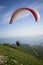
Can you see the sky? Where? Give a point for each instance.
(24, 24)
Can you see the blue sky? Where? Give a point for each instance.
(25, 24)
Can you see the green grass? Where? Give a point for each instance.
(39, 50)
(19, 55)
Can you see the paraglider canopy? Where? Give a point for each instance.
(18, 11)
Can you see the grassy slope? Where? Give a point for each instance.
(39, 50)
(27, 48)
(22, 57)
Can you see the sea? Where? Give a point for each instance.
(23, 40)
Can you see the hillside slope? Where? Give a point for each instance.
(14, 56)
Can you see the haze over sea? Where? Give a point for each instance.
(23, 40)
